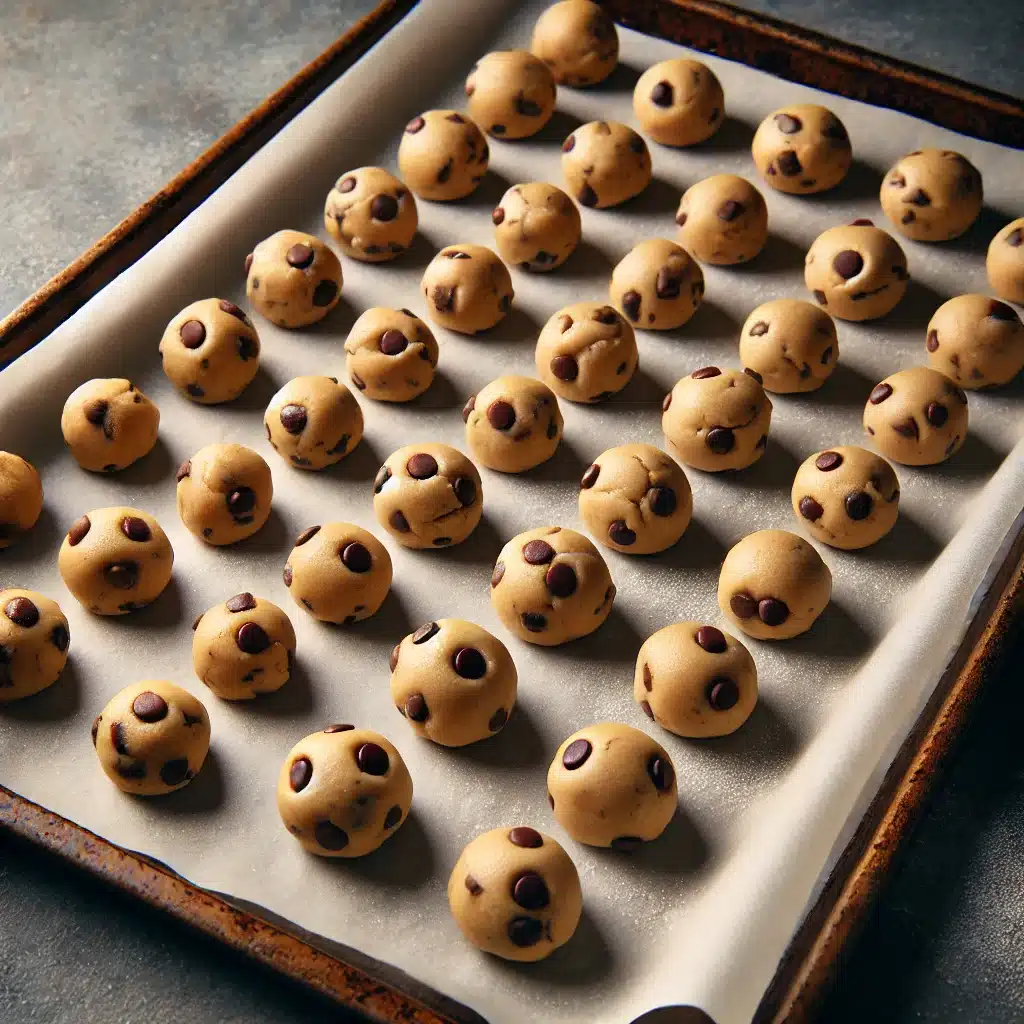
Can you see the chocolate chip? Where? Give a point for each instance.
(880, 393)
(788, 124)
(710, 639)
(771, 611)
(426, 632)
(552, 430)
(286, 575)
(324, 293)
(630, 303)
(730, 210)
(810, 509)
(826, 356)
(660, 772)
(501, 415)
(241, 501)
(373, 759)
(526, 837)
(743, 606)
(22, 612)
(590, 477)
(936, 414)
(525, 931)
(789, 163)
(568, 144)
(384, 207)
(303, 538)
(248, 264)
(680, 219)
(469, 663)
(705, 372)
(416, 709)
(497, 720)
(251, 638)
(136, 529)
(648, 678)
(820, 298)
(421, 466)
(346, 184)
(908, 428)
(538, 552)
(184, 470)
(576, 754)
(399, 522)
(60, 637)
(848, 263)
(497, 216)
(858, 505)
(356, 557)
(358, 381)
(79, 528)
(620, 533)
(1015, 238)
(245, 602)
(667, 285)
(565, 368)
(96, 412)
(293, 418)
(393, 817)
(445, 172)
(721, 440)
(175, 772)
(149, 707)
(338, 727)
(827, 461)
(300, 256)
(465, 490)
(908, 218)
(415, 125)
(329, 836)
(534, 622)
(474, 887)
(192, 334)
(530, 892)
(561, 580)
(497, 574)
(627, 844)
(662, 500)
(758, 329)
(920, 198)
(300, 774)
(528, 108)
(722, 693)
(392, 342)
(587, 196)
(122, 575)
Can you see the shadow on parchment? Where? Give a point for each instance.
(765, 740)
(909, 541)
(617, 640)
(836, 634)
(407, 859)
(203, 794)
(518, 744)
(59, 700)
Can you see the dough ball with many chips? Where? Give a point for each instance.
(679, 102)
(293, 279)
(578, 41)
(801, 149)
(976, 341)
(313, 422)
(443, 155)
(605, 163)
(371, 215)
(723, 220)
(511, 94)
(467, 288)
(657, 285)
(34, 642)
(790, 344)
(21, 497)
(536, 226)
(391, 355)
(1005, 262)
(109, 424)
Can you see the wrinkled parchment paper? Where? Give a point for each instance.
(703, 915)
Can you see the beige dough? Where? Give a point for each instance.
(391, 355)
(846, 497)
(109, 424)
(550, 586)
(511, 94)
(977, 341)
(224, 493)
(293, 279)
(152, 738)
(515, 893)
(932, 195)
(790, 344)
(338, 572)
(536, 226)
(243, 647)
(513, 424)
(1005, 262)
(313, 422)
(371, 215)
(917, 417)
(717, 419)
(586, 352)
(679, 102)
(657, 285)
(695, 680)
(453, 681)
(211, 351)
(467, 288)
(723, 220)
(773, 585)
(428, 496)
(578, 41)
(612, 785)
(34, 641)
(443, 155)
(605, 163)
(802, 149)
(856, 271)
(343, 791)
(116, 560)
(21, 497)
(635, 499)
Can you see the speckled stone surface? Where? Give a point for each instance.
(101, 102)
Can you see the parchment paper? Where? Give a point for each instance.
(703, 915)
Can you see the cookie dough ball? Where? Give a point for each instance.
(679, 102)
(1005, 262)
(695, 680)
(343, 791)
(513, 424)
(467, 288)
(550, 586)
(578, 41)
(932, 195)
(428, 496)
(224, 493)
(536, 226)
(791, 345)
(857, 271)
(846, 497)
(443, 155)
(773, 585)
(293, 279)
(917, 417)
(34, 641)
(586, 352)
(723, 220)
(109, 424)
(391, 355)
(511, 94)
(338, 572)
(21, 497)
(657, 285)
(152, 738)
(371, 215)
(211, 351)
(514, 892)
(243, 647)
(977, 341)
(116, 560)
(453, 681)
(605, 163)
(612, 785)
(802, 149)
(717, 419)
(313, 422)
(635, 499)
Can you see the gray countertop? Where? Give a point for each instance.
(101, 102)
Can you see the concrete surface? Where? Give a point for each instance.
(102, 101)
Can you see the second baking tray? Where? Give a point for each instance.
(704, 915)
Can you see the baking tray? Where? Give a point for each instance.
(799, 56)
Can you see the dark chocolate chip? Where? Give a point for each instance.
(497, 720)
(286, 575)
(445, 172)
(730, 210)
(1015, 238)
(496, 575)
(705, 372)
(469, 663)
(393, 817)
(848, 263)
(329, 836)
(192, 333)
(722, 693)
(338, 727)
(560, 580)
(760, 380)
(936, 414)
(300, 256)
(373, 759)
(576, 754)
(711, 639)
(587, 196)
(568, 144)
(743, 606)
(826, 356)
(788, 124)
(827, 461)
(184, 470)
(771, 611)
(590, 477)
(416, 709)
(619, 533)
(538, 552)
(149, 707)
(631, 302)
(789, 163)
(399, 522)
(565, 368)
(305, 537)
(661, 94)
(96, 412)
(175, 771)
(497, 216)
(474, 887)
(667, 285)
(60, 637)
(384, 207)
(421, 466)
(324, 293)
(426, 632)
(810, 509)
(662, 500)
(660, 772)
(528, 108)
(858, 505)
(252, 638)
(721, 440)
(241, 501)
(526, 837)
(468, 408)
(820, 298)
(534, 622)
(880, 393)
(79, 528)
(908, 428)
(122, 575)
(501, 415)
(393, 342)
(920, 198)
(530, 892)
(358, 381)
(294, 418)
(525, 931)
(300, 774)
(356, 557)
(136, 529)
(680, 219)
(22, 612)
(241, 602)
(415, 125)
(465, 490)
